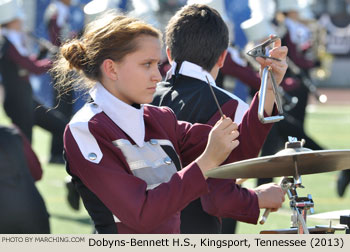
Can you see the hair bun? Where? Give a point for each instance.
(74, 53)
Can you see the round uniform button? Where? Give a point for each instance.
(92, 156)
(153, 141)
(167, 160)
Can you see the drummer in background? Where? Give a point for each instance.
(197, 54)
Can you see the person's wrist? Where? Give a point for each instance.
(205, 163)
(257, 192)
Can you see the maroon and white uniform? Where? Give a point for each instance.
(15, 67)
(127, 162)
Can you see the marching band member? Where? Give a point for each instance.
(294, 38)
(295, 43)
(16, 64)
(197, 53)
(135, 165)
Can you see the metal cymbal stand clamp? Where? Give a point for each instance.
(260, 51)
(299, 205)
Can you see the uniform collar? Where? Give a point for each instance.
(127, 117)
(191, 70)
(194, 71)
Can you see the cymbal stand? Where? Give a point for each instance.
(299, 205)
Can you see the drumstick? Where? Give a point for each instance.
(265, 215)
(240, 181)
(268, 210)
(216, 100)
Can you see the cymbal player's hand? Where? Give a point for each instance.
(279, 68)
(221, 141)
(270, 196)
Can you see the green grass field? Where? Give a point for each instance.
(328, 125)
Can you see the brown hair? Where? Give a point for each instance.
(110, 37)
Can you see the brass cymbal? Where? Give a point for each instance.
(282, 164)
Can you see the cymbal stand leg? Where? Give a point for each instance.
(299, 219)
(302, 228)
